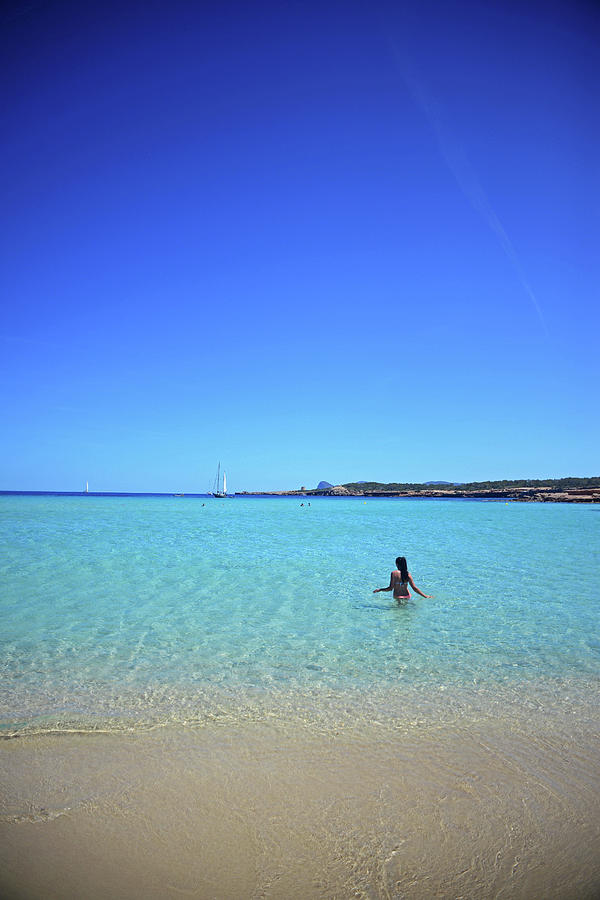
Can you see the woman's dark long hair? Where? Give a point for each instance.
(401, 564)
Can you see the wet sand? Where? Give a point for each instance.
(484, 808)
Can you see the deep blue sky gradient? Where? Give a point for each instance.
(313, 241)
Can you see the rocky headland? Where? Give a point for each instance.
(534, 493)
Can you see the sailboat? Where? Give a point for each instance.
(217, 492)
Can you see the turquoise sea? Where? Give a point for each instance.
(123, 612)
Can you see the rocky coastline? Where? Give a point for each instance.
(517, 495)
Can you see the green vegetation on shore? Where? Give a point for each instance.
(558, 484)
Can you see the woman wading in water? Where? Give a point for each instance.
(399, 582)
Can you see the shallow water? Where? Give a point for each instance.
(128, 611)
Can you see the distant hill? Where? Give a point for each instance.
(451, 483)
(557, 484)
(323, 486)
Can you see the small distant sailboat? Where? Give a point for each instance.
(217, 492)
(87, 488)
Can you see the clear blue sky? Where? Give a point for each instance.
(313, 241)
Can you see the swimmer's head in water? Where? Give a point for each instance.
(401, 565)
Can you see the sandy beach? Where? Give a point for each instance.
(483, 808)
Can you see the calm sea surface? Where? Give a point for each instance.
(119, 612)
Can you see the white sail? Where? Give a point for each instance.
(216, 491)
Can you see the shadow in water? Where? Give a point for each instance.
(389, 607)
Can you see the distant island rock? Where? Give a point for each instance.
(323, 486)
